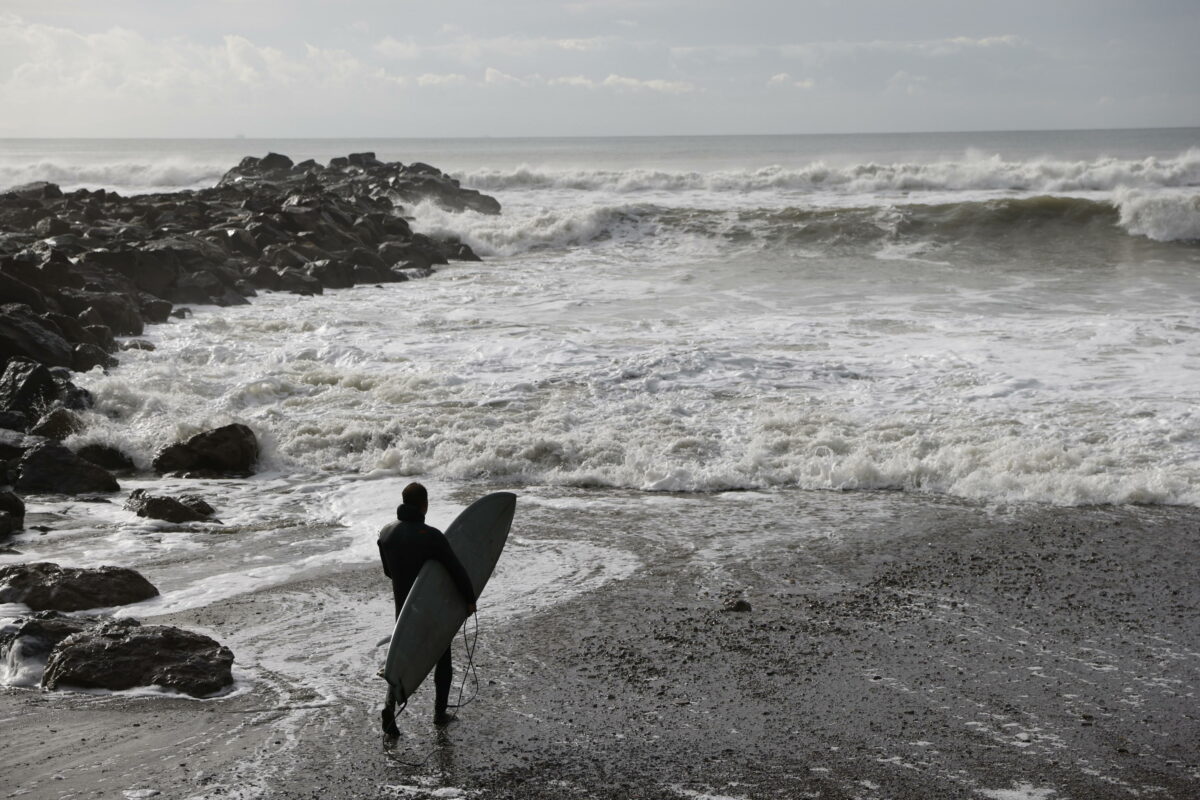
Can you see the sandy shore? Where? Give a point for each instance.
(939, 650)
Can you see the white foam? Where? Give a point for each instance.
(977, 172)
(1164, 217)
(1020, 791)
(127, 176)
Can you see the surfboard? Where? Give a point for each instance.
(434, 609)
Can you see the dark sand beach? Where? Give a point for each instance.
(937, 649)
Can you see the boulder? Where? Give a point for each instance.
(294, 281)
(8, 525)
(229, 450)
(23, 335)
(27, 387)
(89, 356)
(188, 508)
(14, 506)
(58, 424)
(110, 458)
(123, 654)
(26, 644)
(42, 586)
(14, 421)
(13, 444)
(14, 290)
(53, 469)
(38, 190)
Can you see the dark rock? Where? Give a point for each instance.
(8, 525)
(264, 278)
(103, 336)
(154, 309)
(70, 395)
(52, 226)
(122, 654)
(185, 509)
(13, 444)
(58, 424)
(13, 506)
(72, 328)
(294, 281)
(229, 450)
(138, 344)
(38, 190)
(22, 335)
(89, 356)
(14, 290)
(27, 387)
(27, 644)
(53, 469)
(42, 585)
(332, 274)
(14, 421)
(110, 458)
(274, 161)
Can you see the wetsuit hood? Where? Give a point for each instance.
(407, 513)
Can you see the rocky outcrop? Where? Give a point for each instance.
(110, 458)
(229, 450)
(188, 508)
(45, 586)
(51, 468)
(123, 654)
(26, 643)
(12, 514)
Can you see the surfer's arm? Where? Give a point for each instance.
(383, 558)
(445, 554)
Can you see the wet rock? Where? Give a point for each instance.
(138, 344)
(58, 424)
(23, 335)
(188, 508)
(294, 281)
(27, 387)
(38, 190)
(89, 356)
(14, 290)
(123, 654)
(110, 458)
(13, 444)
(26, 644)
(229, 450)
(42, 586)
(14, 421)
(53, 469)
(8, 525)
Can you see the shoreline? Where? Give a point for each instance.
(937, 651)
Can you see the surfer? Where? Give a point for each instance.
(405, 545)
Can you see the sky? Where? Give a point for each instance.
(400, 68)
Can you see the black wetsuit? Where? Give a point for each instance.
(405, 546)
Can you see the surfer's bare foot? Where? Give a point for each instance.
(443, 717)
(389, 722)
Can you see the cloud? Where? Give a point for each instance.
(623, 83)
(786, 80)
(434, 79)
(468, 49)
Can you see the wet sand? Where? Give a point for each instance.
(936, 650)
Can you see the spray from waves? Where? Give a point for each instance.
(971, 174)
(122, 176)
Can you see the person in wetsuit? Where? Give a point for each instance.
(404, 546)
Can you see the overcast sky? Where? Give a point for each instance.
(592, 67)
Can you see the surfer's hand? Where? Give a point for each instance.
(470, 608)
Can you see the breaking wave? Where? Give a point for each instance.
(1029, 222)
(120, 176)
(982, 174)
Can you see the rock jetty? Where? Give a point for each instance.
(82, 271)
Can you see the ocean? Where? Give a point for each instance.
(786, 334)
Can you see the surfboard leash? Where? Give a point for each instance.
(471, 669)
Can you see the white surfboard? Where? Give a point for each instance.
(435, 609)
